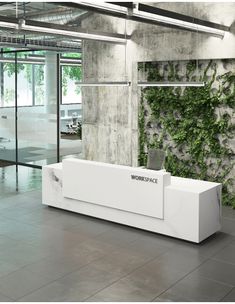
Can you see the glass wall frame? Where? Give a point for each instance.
(30, 95)
(22, 102)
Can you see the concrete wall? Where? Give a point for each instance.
(110, 115)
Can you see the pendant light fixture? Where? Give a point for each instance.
(171, 84)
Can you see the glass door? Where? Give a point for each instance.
(37, 98)
(70, 106)
(7, 109)
(38, 90)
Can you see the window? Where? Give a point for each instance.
(71, 93)
(31, 82)
(24, 88)
(8, 90)
(38, 72)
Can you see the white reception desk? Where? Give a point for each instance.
(147, 199)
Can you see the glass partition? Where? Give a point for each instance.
(48, 127)
(37, 122)
(7, 112)
(71, 106)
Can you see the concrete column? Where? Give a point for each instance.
(50, 82)
(50, 125)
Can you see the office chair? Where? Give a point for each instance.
(155, 159)
(72, 127)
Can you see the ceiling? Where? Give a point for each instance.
(43, 12)
(59, 23)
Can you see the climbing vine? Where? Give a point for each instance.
(195, 125)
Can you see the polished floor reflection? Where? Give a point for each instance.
(47, 254)
(27, 179)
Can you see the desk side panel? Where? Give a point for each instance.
(182, 213)
(52, 184)
(210, 212)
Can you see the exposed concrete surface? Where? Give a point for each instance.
(110, 115)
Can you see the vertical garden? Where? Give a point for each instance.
(194, 125)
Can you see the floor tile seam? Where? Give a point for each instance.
(77, 225)
(27, 213)
(58, 215)
(185, 298)
(45, 225)
(120, 278)
(56, 280)
(76, 269)
(221, 300)
(229, 242)
(217, 281)
(40, 224)
(223, 261)
(182, 278)
(167, 248)
(151, 258)
(1, 293)
(100, 235)
(123, 246)
(155, 297)
(206, 260)
(111, 229)
(20, 268)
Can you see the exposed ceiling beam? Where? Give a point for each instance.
(162, 16)
(95, 7)
(152, 15)
(39, 44)
(33, 60)
(52, 11)
(77, 21)
(33, 26)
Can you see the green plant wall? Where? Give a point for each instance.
(195, 125)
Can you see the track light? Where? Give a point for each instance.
(9, 25)
(177, 22)
(104, 84)
(171, 84)
(105, 6)
(115, 38)
(79, 35)
(140, 14)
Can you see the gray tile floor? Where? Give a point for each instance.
(48, 254)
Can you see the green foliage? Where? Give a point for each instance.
(79, 130)
(73, 73)
(142, 134)
(68, 72)
(9, 95)
(188, 126)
